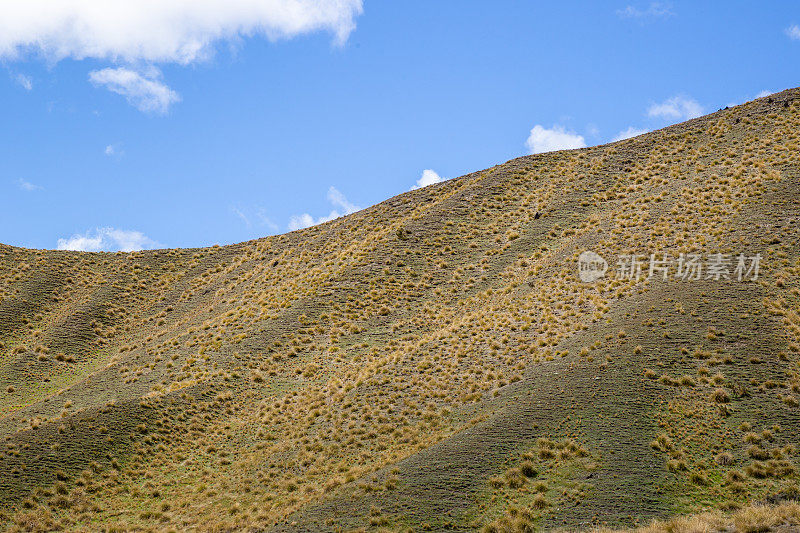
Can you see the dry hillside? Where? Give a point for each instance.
(432, 362)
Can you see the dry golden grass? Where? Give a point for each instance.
(750, 519)
(271, 375)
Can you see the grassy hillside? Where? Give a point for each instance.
(430, 363)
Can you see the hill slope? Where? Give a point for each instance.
(432, 362)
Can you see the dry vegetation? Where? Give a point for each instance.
(750, 519)
(432, 362)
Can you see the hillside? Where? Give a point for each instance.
(432, 362)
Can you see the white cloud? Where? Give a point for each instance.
(108, 240)
(627, 134)
(239, 213)
(24, 81)
(764, 93)
(547, 140)
(145, 92)
(260, 215)
(429, 177)
(303, 221)
(159, 31)
(334, 197)
(265, 220)
(28, 186)
(793, 32)
(677, 107)
(338, 199)
(654, 10)
(113, 150)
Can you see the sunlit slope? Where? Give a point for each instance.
(430, 362)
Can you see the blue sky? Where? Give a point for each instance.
(180, 127)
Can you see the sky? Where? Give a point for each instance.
(151, 124)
